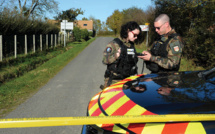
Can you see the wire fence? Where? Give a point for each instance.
(13, 45)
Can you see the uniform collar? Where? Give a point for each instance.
(172, 31)
(128, 44)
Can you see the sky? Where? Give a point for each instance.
(101, 9)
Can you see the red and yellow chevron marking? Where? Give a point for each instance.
(115, 102)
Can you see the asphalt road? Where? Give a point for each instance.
(68, 93)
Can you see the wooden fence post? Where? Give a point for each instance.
(55, 41)
(15, 46)
(64, 39)
(47, 45)
(34, 47)
(68, 36)
(26, 49)
(41, 42)
(1, 46)
(51, 40)
(58, 39)
(55, 38)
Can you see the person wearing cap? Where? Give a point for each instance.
(120, 55)
(165, 53)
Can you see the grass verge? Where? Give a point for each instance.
(16, 91)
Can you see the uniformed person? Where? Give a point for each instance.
(165, 53)
(120, 55)
(168, 82)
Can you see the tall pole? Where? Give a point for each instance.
(147, 29)
(1, 48)
(65, 34)
(26, 49)
(15, 46)
(147, 39)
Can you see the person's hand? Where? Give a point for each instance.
(164, 90)
(146, 56)
(141, 89)
(118, 52)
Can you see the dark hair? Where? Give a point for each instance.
(129, 26)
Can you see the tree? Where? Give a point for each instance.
(114, 22)
(134, 14)
(84, 18)
(104, 27)
(2, 2)
(69, 15)
(96, 24)
(30, 7)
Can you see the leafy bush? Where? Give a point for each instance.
(84, 34)
(200, 46)
(77, 33)
(80, 34)
(13, 24)
(91, 34)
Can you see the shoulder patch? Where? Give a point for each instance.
(108, 49)
(175, 47)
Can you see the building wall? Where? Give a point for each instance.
(85, 24)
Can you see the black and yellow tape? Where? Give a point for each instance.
(66, 121)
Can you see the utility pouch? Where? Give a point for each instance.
(153, 67)
(156, 47)
(134, 70)
(107, 73)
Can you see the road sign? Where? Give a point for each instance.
(144, 27)
(66, 25)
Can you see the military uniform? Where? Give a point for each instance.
(168, 82)
(116, 65)
(109, 54)
(166, 53)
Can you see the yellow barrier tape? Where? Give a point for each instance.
(65, 121)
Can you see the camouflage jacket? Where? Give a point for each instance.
(109, 54)
(174, 51)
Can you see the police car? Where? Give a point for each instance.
(190, 92)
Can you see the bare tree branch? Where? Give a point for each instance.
(2, 2)
(34, 4)
(21, 6)
(31, 7)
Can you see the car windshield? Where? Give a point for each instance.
(209, 75)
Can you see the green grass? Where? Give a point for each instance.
(16, 91)
(189, 65)
(11, 68)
